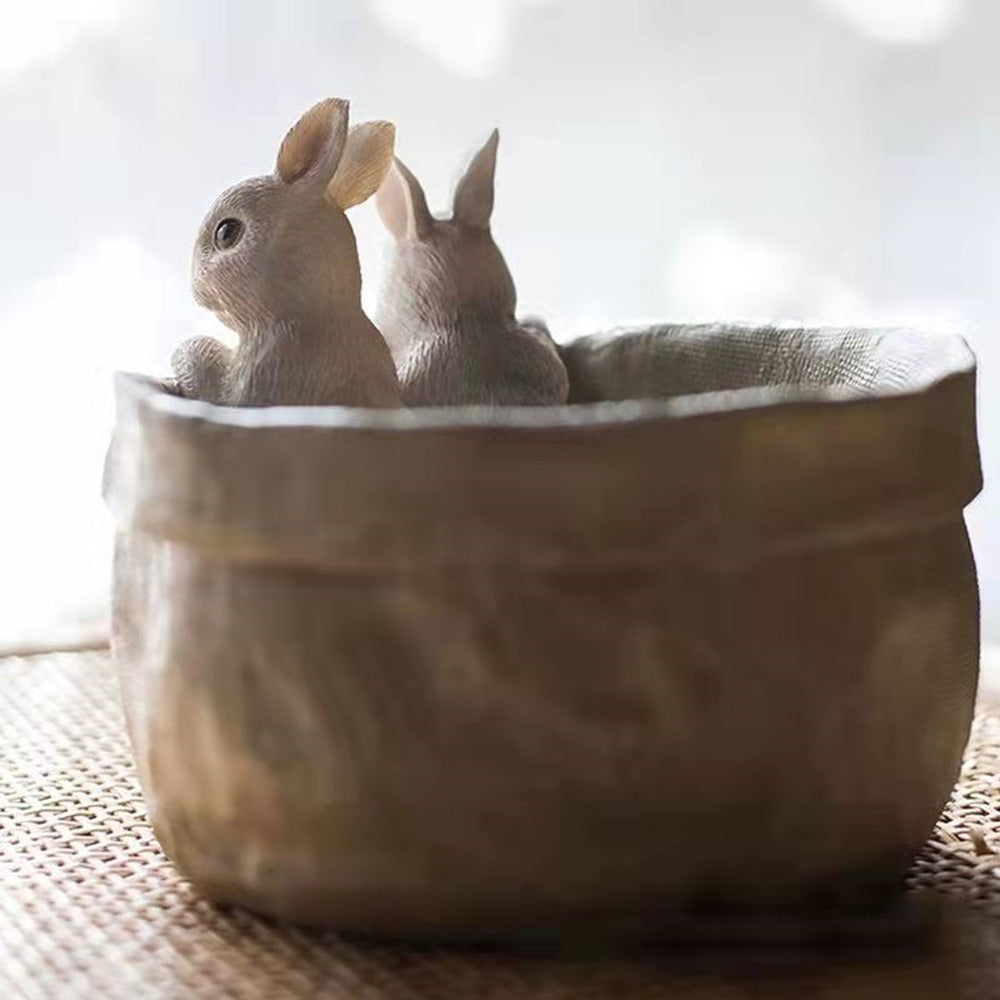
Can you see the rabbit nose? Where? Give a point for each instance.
(203, 297)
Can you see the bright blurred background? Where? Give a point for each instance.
(826, 161)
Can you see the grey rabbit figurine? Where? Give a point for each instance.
(277, 261)
(447, 306)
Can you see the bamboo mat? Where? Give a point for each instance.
(90, 907)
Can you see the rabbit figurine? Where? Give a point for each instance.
(447, 306)
(277, 261)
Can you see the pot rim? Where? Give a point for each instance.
(944, 356)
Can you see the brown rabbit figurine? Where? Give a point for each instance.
(276, 260)
(447, 306)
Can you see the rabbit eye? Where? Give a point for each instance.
(228, 233)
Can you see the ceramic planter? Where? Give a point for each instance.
(473, 672)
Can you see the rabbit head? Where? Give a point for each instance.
(444, 271)
(279, 247)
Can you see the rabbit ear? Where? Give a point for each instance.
(474, 195)
(366, 160)
(402, 204)
(311, 151)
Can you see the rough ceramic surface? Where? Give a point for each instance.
(276, 260)
(447, 306)
(472, 672)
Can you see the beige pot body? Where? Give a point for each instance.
(475, 672)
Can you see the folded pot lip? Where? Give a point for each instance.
(951, 356)
(722, 477)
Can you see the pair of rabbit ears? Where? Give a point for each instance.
(320, 153)
(403, 206)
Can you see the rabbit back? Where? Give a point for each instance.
(513, 367)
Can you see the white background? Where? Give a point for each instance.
(816, 160)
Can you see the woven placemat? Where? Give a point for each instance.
(90, 907)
